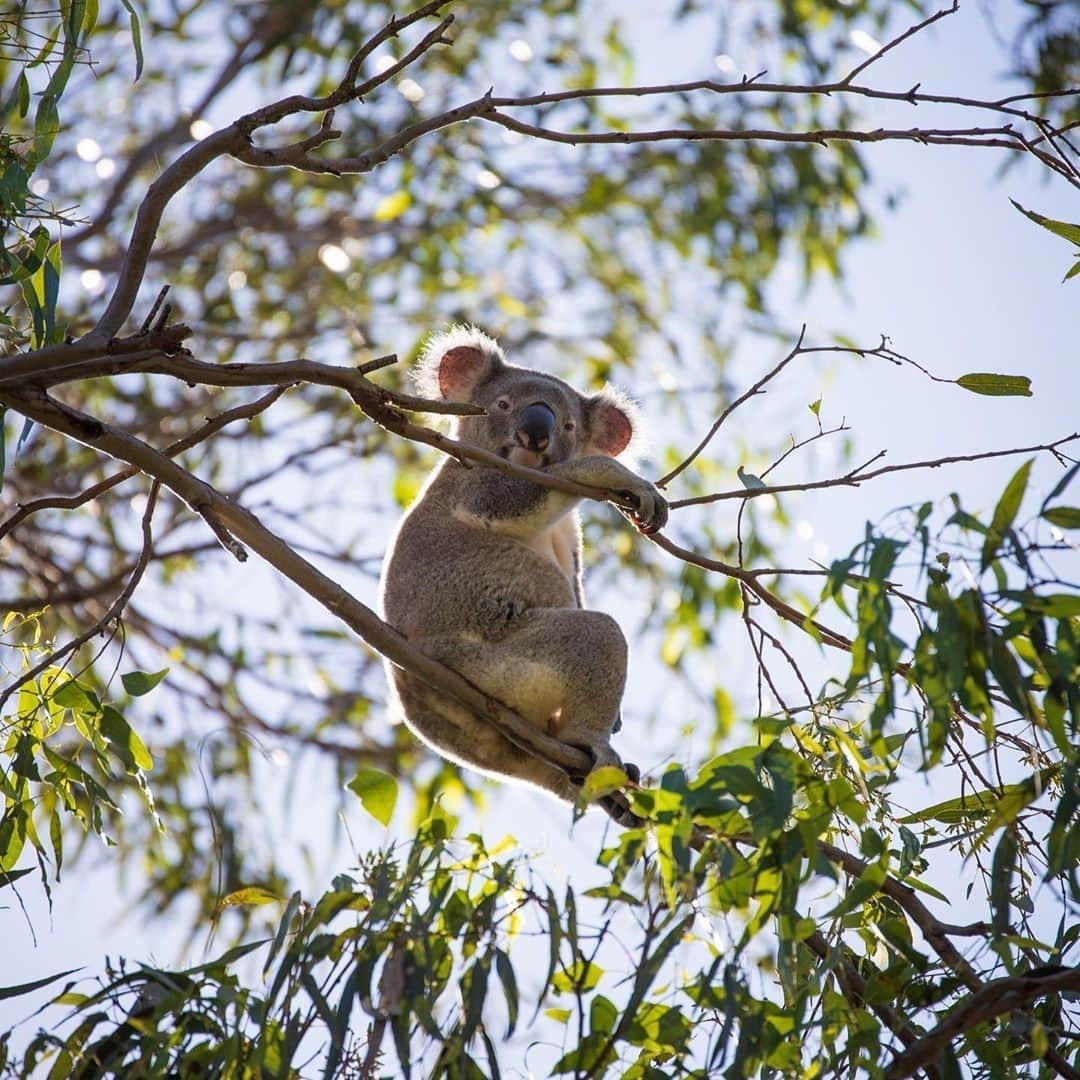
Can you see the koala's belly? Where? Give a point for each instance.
(472, 580)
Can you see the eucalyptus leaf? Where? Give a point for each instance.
(377, 792)
(992, 385)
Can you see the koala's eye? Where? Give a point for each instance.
(569, 426)
(503, 403)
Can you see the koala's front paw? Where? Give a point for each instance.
(650, 511)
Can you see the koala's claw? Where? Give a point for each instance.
(633, 773)
(650, 511)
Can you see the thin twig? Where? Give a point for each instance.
(858, 476)
(898, 40)
(116, 609)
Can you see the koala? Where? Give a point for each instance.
(484, 572)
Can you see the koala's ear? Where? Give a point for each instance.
(453, 365)
(612, 422)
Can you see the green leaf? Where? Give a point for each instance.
(130, 748)
(815, 407)
(137, 683)
(1003, 804)
(1001, 880)
(8, 877)
(993, 385)
(1005, 513)
(582, 975)
(749, 480)
(377, 792)
(89, 19)
(26, 988)
(602, 781)
(505, 971)
(253, 895)
(392, 206)
(1060, 228)
(602, 1015)
(1071, 272)
(291, 909)
(74, 696)
(1064, 517)
(868, 883)
(136, 37)
(46, 125)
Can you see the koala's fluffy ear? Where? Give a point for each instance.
(455, 363)
(613, 422)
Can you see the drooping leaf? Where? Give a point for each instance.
(1063, 229)
(137, 683)
(1064, 517)
(130, 748)
(253, 895)
(994, 385)
(377, 792)
(1005, 513)
(136, 37)
(29, 987)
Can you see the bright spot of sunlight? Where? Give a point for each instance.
(334, 258)
(521, 50)
(88, 149)
(862, 40)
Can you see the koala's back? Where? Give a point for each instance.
(447, 575)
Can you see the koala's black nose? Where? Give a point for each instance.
(535, 426)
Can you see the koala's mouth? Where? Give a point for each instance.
(519, 455)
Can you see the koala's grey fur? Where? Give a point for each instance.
(484, 573)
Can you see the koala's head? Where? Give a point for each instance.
(532, 419)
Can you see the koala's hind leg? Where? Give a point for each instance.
(563, 669)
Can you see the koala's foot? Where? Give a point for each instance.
(650, 511)
(620, 814)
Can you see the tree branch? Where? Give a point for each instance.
(241, 526)
(859, 475)
(993, 999)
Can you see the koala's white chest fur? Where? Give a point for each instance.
(558, 544)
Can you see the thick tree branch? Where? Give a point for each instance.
(991, 1000)
(239, 526)
(211, 427)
